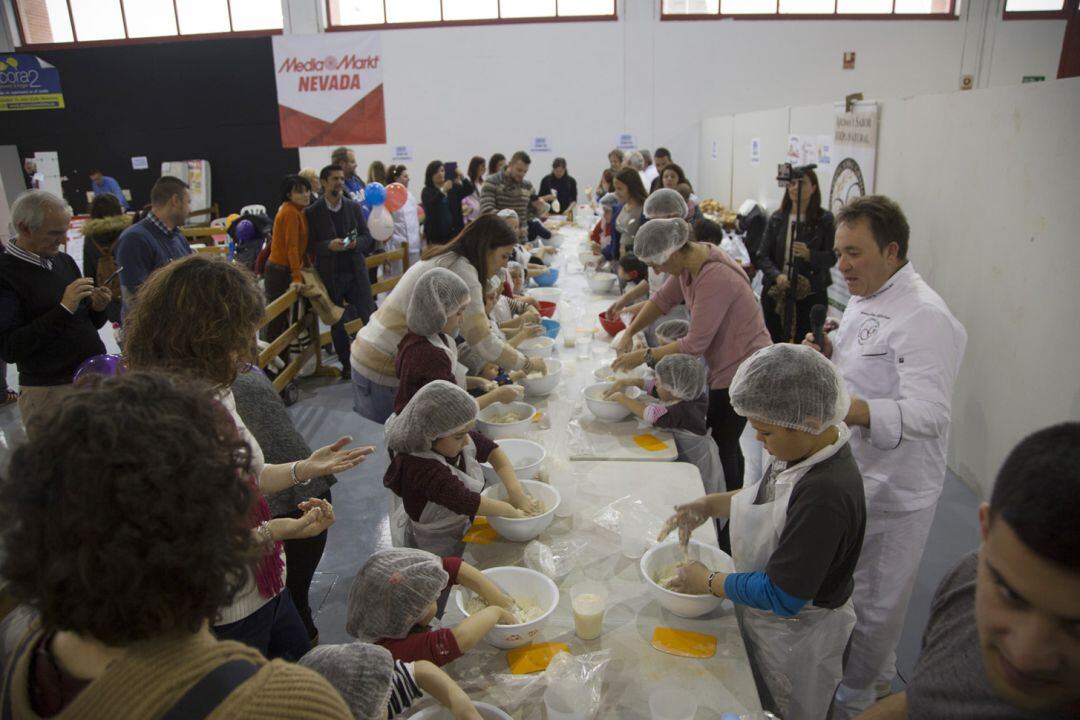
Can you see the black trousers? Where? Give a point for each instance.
(277, 279)
(726, 428)
(302, 557)
(353, 294)
(774, 322)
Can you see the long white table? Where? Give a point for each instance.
(722, 683)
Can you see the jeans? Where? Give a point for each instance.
(275, 630)
(372, 400)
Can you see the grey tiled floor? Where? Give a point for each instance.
(325, 413)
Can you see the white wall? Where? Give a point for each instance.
(988, 180)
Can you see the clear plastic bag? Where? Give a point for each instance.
(578, 680)
(557, 559)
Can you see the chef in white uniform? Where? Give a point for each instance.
(898, 349)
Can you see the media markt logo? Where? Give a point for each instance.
(329, 73)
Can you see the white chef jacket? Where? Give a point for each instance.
(900, 350)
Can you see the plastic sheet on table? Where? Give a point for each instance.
(584, 444)
(557, 559)
(611, 515)
(578, 679)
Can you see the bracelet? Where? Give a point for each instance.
(296, 480)
(650, 362)
(711, 576)
(265, 533)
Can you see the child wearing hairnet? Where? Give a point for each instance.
(375, 685)
(524, 253)
(428, 351)
(680, 386)
(796, 533)
(435, 471)
(523, 328)
(392, 603)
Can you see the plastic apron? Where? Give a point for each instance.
(679, 312)
(439, 529)
(799, 658)
(701, 451)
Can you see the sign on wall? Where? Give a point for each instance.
(854, 154)
(330, 89)
(29, 83)
(540, 145)
(626, 141)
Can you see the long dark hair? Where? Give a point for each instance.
(629, 177)
(675, 168)
(814, 209)
(479, 237)
(293, 182)
(476, 169)
(393, 173)
(493, 163)
(429, 172)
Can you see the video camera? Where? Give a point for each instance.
(786, 172)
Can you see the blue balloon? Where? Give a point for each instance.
(366, 210)
(374, 194)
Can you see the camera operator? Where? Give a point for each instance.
(812, 253)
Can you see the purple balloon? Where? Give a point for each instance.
(245, 230)
(107, 365)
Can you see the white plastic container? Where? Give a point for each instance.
(526, 456)
(437, 712)
(603, 409)
(517, 582)
(498, 431)
(545, 385)
(524, 529)
(666, 554)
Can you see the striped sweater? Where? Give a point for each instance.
(500, 192)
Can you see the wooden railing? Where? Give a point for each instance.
(385, 285)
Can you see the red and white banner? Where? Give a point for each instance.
(329, 89)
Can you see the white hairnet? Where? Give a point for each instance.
(438, 294)
(514, 266)
(791, 386)
(392, 592)
(436, 410)
(609, 200)
(665, 203)
(507, 213)
(362, 673)
(671, 330)
(657, 240)
(682, 374)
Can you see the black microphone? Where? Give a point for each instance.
(817, 324)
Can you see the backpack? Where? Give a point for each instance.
(106, 268)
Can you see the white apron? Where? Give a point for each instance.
(800, 658)
(460, 371)
(701, 451)
(439, 529)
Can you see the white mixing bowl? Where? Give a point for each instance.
(537, 346)
(498, 431)
(438, 712)
(524, 529)
(519, 583)
(603, 409)
(601, 282)
(545, 385)
(556, 240)
(666, 554)
(525, 455)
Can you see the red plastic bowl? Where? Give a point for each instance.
(611, 327)
(547, 309)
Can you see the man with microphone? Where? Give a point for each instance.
(898, 349)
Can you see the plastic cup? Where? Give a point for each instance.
(588, 600)
(633, 532)
(561, 705)
(669, 703)
(584, 341)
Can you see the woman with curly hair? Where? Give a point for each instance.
(128, 547)
(198, 317)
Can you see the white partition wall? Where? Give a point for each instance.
(988, 181)
(714, 168)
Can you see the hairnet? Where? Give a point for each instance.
(792, 386)
(657, 240)
(507, 213)
(682, 374)
(392, 592)
(437, 295)
(436, 410)
(362, 673)
(513, 266)
(671, 330)
(609, 200)
(665, 203)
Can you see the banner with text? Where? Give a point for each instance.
(330, 89)
(29, 83)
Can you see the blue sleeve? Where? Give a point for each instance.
(114, 187)
(758, 591)
(136, 258)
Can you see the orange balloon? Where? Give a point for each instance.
(396, 196)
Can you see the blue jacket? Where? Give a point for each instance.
(109, 185)
(142, 249)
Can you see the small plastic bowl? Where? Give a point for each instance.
(524, 529)
(548, 279)
(517, 582)
(545, 385)
(537, 347)
(603, 409)
(551, 327)
(667, 553)
(602, 282)
(498, 431)
(611, 327)
(547, 309)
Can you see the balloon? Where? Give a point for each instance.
(107, 365)
(365, 209)
(396, 196)
(374, 194)
(381, 223)
(245, 230)
(231, 219)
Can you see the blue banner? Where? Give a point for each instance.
(29, 83)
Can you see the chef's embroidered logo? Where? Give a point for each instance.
(868, 330)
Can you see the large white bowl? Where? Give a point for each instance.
(606, 374)
(538, 346)
(556, 240)
(524, 529)
(438, 712)
(522, 583)
(525, 455)
(549, 294)
(545, 385)
(601, 282)
(665, 554)
(603, 409)
(497, 431)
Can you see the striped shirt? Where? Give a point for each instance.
(16, 251)
(403, 689)
(500, 192)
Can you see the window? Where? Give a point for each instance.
(51, 22)
(1035, 9)
(779, 9)
(348, 14)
